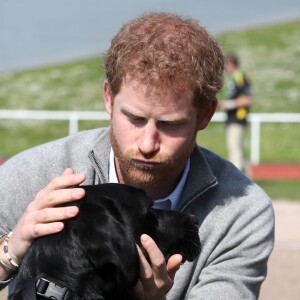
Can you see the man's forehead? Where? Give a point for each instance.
(168, 91)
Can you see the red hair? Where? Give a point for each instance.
(159, 49)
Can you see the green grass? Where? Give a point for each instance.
(280, 142)
(288, 190)
(269, 54)
(73, 86)
(32, 133)
(271, 57)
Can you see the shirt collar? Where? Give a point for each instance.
(174, 197)
(112, 174)
(169, 202)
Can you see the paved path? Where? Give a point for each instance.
(283, 280)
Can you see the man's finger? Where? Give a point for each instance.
(56, 197)
(160, 282)
(68, 171)
(145, 268)
(64, 181)
(156, 257)
(173, 265)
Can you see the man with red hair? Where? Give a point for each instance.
(163, 73)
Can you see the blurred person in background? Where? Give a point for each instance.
(236, 106)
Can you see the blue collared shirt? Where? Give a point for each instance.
(171, 201)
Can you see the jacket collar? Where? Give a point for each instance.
(199, 180)
(99, 156)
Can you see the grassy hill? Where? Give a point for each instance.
(270, 55)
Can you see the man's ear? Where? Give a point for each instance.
(108, 98)
(205, 114)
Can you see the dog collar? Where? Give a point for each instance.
(46, 289)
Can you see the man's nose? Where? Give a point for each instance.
(149, 142)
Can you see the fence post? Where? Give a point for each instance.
(73, 123)
(255, 141)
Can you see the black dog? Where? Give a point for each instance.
(95, 256)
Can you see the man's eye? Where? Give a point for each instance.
(134, 119)
(170, 125)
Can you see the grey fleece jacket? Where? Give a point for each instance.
(236, 217)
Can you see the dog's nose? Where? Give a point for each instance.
(194, 220)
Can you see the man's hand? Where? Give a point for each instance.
(241, 101)
(227, 104)
(156, 279)
(41, 217)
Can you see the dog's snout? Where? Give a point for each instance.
(194, 220)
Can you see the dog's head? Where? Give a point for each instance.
(177, 233)
(95, 256)
(126, 215)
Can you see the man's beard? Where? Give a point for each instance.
(143, 176)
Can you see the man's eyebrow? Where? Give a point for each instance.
(176, 118)
(129, 113)
(173, 119)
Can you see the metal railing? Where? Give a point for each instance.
(255, 120)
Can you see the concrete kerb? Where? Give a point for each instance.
(282, 282)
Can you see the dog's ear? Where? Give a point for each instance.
(124, 194)
(106, 234)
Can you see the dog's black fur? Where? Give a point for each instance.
(95, 256)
